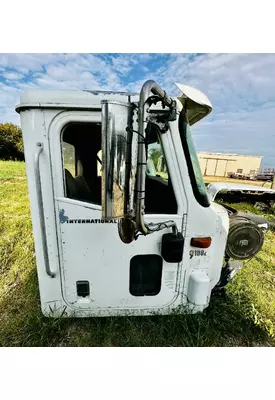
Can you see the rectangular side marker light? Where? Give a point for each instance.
(201, 242)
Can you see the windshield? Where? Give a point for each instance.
(198, 185)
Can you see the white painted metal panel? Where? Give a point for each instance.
(94, 251)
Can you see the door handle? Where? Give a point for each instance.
(39, 149)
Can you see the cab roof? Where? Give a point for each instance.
(43, 98)
(196, 103)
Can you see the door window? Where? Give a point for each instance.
(69, 158)
(80, 146)
(82, 163)
(159, 195)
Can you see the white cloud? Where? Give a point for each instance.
(241, 88)
(31, 62)
(12, 76)
(121, 64)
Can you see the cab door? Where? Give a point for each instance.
(99, 271)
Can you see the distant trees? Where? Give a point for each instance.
(155, 155)
(11, 142)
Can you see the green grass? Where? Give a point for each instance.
(246, 318)
(12, 171)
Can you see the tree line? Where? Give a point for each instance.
(11, 142)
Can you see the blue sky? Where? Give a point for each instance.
(241, 88)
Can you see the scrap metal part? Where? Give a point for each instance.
(214, 188)
(237, 192)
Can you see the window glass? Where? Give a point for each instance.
(159, 195)
(156, 163)
(69, 158)
(198, 185)
(81, 145)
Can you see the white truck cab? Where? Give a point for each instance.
(111, 238)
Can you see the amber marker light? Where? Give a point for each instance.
(201, 242)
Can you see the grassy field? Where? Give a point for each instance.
(246, 318)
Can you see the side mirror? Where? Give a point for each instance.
(124, 161)
(119, 161)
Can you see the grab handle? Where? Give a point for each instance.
(41, 208)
